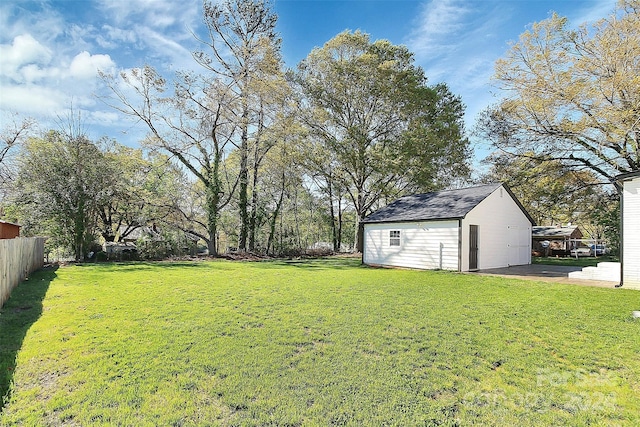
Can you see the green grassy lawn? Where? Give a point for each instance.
(576, 262)
(314, 343)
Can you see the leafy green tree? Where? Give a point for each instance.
(62, 179)
(139, 192)
(555, 194)
(387, 132)
(605, 222)
(321, 165)
(572, 95)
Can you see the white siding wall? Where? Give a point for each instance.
(504, 233)
(631, 224)
(420, 245)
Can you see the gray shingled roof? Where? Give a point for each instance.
(550, 232)
(447, 204)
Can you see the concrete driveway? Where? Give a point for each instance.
(544, 273)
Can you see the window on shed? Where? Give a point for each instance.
(394, 238)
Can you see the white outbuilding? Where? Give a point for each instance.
(630, 244)
(463, 230)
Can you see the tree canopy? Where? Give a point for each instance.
(62, 180)
(375, 125)
(11, 135)
(243, 155)
(572, 95)
(73, 190)
(555, 194)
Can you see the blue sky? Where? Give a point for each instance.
(50, 51)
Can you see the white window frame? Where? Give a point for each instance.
(395, 238)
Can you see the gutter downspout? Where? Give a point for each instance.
(460, 245)
(363, 246)
(620, 191)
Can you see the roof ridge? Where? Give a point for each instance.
(497, 184)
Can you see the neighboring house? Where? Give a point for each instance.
(465, 230)
(9, 230)
(144, 232)
(630, 243)
(128, 243)
(153, 233)
(554, 240)
(118, 247)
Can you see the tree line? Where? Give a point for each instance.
(248, 155)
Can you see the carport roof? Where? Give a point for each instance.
(439, 205)
(555, 232)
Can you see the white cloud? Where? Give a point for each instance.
(175, 52)
(86, 66)
(458, 43)
(24, 50)
(592, 13)
(437, 26)
(158, 14)
(104, 117)
(111, 37)
(32, 73)
(32, 100)
(151, 31)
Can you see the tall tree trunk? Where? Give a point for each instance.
(339, 223)
(79, 231)
(244, 177)
(334, 231)
(254, 198)
(212, 219)
(359, 234)
(297, 220)
(214, 190)
(274, 218)
(253, 220)
(359, 217)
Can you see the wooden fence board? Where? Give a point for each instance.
(18, 258)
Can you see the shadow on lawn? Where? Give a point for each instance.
(321, 263)
(313, 263)
(19, 312)
(309, 263)
(120, 266)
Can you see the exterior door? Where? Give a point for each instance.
(519, 245)
(473, 247)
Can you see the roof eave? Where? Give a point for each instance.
(627, 176)
(397, 221)
(515, 199)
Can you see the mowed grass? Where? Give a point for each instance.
(573, 261)
(315, 343)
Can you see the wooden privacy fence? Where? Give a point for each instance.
(18, 258)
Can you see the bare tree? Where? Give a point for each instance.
(243, 51)
(201, 119)
(12, 134)
(188, 123)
